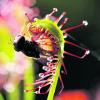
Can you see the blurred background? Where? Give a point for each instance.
(83, 79)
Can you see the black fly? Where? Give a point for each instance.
(27, 47)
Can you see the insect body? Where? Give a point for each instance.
(43, 38)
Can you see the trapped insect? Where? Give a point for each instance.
(44, 39)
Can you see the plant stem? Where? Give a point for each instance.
(1, 97)
(28, 78)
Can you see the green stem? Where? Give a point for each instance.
(1, 97)
(28, 78)
(54, 84)
(14, 94)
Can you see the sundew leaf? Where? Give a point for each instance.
(54, 85)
